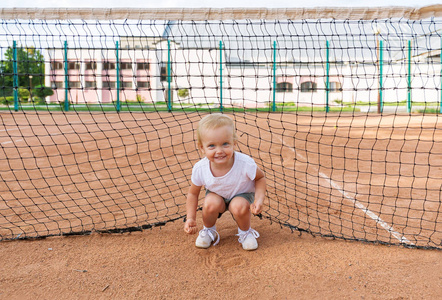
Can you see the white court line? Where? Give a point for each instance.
(9, 142)
(8, 129)
(358, 204)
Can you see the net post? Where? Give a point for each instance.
(221, 76)
(66, 77)
(327, 80)
(274, 77)
(409, 78)
(381, 65)
(169, 101)
(117, 70)
(15, 76)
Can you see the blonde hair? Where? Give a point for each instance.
(214, 121)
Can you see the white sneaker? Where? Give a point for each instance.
(248, 239)
(206, 237)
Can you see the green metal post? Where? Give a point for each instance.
(221, 76)
(409, 78)
(169, 78)
(66, 77)
(327, 78)
(274, 77)
(15, 75)
(117, 67)
(381, 65)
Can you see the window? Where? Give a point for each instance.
(56, 84)
(91, 65)
(308, 86)
(143, 84)
(335, 86)
(143, 66)
(126, 65)
(56, 65)
(108, 65)
(74, 84)
(163, 75)
(91, 84)
(73, 65)
(126, 84)
(284, 87)
(109, 85)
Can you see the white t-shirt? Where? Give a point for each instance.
(240, 179)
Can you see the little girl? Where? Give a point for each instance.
(232, 181)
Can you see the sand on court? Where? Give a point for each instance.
(163, 263)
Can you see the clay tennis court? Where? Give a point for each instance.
(342, 176)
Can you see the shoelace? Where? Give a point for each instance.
(211, 233)
(243, 236)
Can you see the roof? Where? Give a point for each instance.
(306, 41)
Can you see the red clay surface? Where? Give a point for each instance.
(165, 264)
(92, 171)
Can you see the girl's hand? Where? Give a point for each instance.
(190, 227)
(256, 208)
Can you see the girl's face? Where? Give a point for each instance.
(218, 146)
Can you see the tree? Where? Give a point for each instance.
(30, 69)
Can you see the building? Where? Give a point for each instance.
(243, 74)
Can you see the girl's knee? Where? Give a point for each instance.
(213, 208)
(214, 204)
(239, 208)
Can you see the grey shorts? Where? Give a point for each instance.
(250, 197)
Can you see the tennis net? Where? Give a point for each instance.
(339, 107)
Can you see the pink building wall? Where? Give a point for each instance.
(98, 85)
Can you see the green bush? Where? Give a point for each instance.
(42, 91)
(23, 94)
(39, 101)
(7, 100)
(183, 93)
(140, 99)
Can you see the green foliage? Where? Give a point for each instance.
(42, 91)
(23, 94)
(270, 104)
(7, 100)
(183, 93)
(140, 98)
(338, 101)
(30, 61)
(39, 101)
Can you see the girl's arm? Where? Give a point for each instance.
(260, 191)
(191, 206)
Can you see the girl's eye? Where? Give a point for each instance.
(226, 144)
